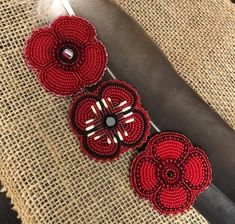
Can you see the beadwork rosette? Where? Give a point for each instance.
(109, 121)
(170, 173)
(67, 56)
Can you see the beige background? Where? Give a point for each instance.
(198, 38)
(47, 177)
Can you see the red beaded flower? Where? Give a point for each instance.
(66, 55)
(170, 172)
(110, 121)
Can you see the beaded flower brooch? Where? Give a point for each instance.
(109, 121)
(66, 56)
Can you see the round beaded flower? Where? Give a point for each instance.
(170, 172)
(67, 55)
(110, 121)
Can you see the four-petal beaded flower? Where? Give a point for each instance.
(67, 56)
(110, 121)
(170, 172)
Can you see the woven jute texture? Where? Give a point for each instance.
(46, 176)
(198, 38)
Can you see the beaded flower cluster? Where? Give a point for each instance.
(109, 121)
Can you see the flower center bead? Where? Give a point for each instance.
(110, 121)
(68, 54)
(171, 173)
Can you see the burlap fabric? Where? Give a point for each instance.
(47, 177)
(198, 38)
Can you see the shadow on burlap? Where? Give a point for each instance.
(47, 177)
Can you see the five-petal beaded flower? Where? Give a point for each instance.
(110, 121)
(67, 56)
(170, 172)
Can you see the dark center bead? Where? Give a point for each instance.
(110, 121)
(170, 174)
